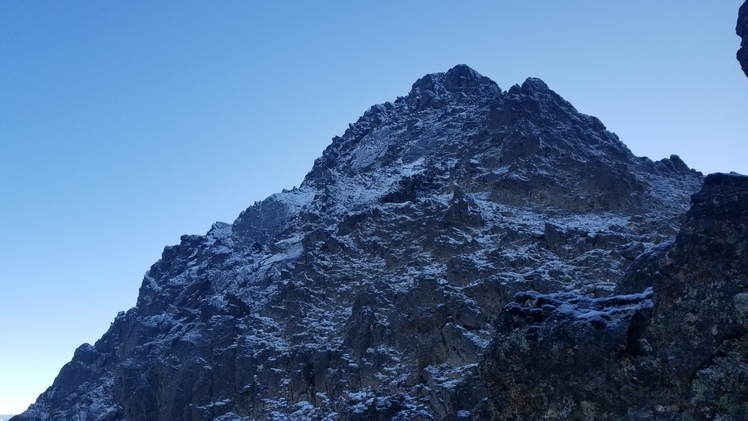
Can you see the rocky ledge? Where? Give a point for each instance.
(678, 349)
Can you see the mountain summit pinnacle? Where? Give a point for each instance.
(370, 292)
(459, 79)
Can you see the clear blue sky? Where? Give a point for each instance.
(126, 124)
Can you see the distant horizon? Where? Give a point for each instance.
(125, 126)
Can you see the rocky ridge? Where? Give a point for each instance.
(371, 290)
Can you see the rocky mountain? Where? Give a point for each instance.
(372, 291)
(742, 30)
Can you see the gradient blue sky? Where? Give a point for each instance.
(126, 124)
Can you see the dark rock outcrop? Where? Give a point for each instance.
(742, 30)
(675, 350)
(370, 291)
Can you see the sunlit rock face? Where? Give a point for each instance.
(676, 349)
(371, 291)
(742, 30)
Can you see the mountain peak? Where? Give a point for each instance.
(534, 83)
(462, 77)
(434, 89)
(528, 137)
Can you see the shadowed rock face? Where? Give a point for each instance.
(742, 30)
(370, 292)
(675, 350)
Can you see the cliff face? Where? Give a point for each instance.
(370, 292)
(675, 350)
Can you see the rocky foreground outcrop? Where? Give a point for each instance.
(370, 291)
(742, 30)
(675, 350)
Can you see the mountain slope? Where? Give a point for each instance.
(369, 292)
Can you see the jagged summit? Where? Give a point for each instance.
(369, 292)
(526, 146)
(460, 80)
